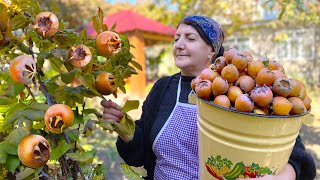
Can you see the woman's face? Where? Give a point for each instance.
(191, 53)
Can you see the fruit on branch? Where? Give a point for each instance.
(58, 117)
(34, 151)
(46, 24)
(105, 83)
(22, 69)
(79, 55)
(108, 43)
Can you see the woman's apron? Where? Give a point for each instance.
(176, 145)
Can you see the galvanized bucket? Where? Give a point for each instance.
(234, 144)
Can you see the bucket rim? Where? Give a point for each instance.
(253, 114)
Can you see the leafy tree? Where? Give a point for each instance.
(45, 81)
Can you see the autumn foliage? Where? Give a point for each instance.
(47, 75)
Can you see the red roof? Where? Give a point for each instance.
(128, 21)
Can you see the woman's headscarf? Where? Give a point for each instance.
(211, 28)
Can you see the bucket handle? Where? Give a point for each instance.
(309, 119)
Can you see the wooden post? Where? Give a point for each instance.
(137, 83)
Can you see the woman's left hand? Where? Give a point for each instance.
(288, 173)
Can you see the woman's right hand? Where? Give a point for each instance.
(112, 113)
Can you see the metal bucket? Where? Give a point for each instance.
(233, 144)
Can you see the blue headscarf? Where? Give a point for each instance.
(211, 28)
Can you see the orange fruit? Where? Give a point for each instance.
(281, 106)
(219, 86)
(230, 73)
(298, 105)
(222, 100)
(243, 103)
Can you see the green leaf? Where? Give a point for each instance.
(105, 125)
(68, 76)
(34, 36)
(41, 57)
(60, 53)
(17, 114)
(19, 21)
(17, 135)
(58, 151)
(92, 111)
(129, 173)
(65, 39)
(82, 156)
(126, 125)
(6, 103)
(23, 48)
(25, 173)
(90, 82)
(130, 105)
(34, 115)
(39, 106)
(113, 26)
(136, 64)
(39, 125)
(56, 64)
(9, 148)
(12, 163)
(3, 155)
(104, 27)
(97, 21)
(73, 134)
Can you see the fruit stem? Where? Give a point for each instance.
(49, 98)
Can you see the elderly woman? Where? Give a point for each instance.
(165, 141)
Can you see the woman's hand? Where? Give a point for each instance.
(112, 113)
(288, 173)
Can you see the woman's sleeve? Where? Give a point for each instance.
(133, 152)
(302, 162)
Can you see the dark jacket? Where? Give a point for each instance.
(138, 152)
